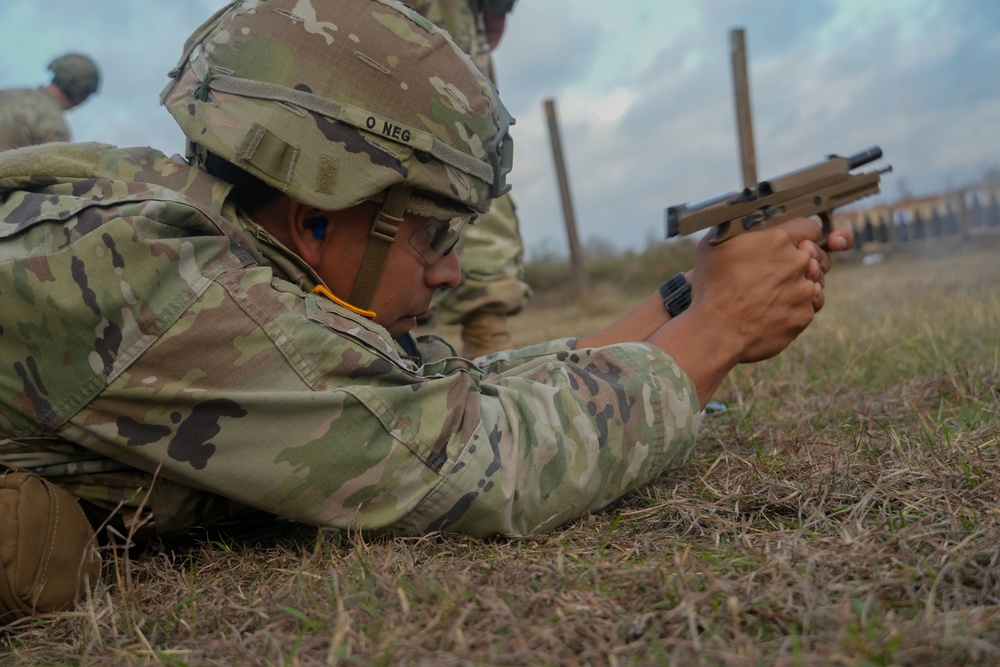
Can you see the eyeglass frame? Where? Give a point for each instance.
(427, 239)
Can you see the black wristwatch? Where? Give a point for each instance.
(676, 294)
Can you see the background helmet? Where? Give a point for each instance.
(76, 75)
(332, 102)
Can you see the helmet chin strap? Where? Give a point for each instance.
(383, 234)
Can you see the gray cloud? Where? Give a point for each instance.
(547, 47)
(917, 77)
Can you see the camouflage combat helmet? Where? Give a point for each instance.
(334, 102)
(76, 75)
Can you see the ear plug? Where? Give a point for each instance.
(319, 230)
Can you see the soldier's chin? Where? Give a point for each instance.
(402, 326)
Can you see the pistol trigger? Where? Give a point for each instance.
(751, 219)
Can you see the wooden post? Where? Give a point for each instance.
(577, 269)
(744, 121)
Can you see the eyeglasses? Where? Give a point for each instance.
(443, 227)
(438, 236)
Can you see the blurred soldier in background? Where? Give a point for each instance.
(492, 253)
(30, 116)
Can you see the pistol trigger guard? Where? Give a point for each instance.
(827, 221)
(722, 232)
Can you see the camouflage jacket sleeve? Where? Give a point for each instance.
(568, 431)
(150, 330)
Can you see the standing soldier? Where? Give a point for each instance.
(492, 252)
(30, 116)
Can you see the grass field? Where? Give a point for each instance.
(844, 510)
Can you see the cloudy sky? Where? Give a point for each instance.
(643, 92)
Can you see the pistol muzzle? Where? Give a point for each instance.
(864, 157)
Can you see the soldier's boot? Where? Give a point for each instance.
(483, 333)
(48, 551)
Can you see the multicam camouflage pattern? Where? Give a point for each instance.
(491, 251)
(337, 135)
(150, 330)
(30, 116)
(76, 75)
(463, 20)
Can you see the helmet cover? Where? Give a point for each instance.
(332, 102)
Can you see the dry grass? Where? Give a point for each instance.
(843, 510)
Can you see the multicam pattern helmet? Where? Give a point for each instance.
(332, 102)
(76, 75)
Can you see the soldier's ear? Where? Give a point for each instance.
(307, 227)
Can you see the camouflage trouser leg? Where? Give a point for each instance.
(141, 506)
(492, 259)
(135, 504)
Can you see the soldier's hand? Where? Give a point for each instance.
(751, 297)
(840, 239)
(763, 287)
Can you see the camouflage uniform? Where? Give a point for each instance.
(151, 330)
(30, 116)
(492, 252)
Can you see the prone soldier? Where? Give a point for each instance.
(189, 340)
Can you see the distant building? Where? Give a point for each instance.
(921, 217)
(871, 225)
(968, 211)
(981, 205)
